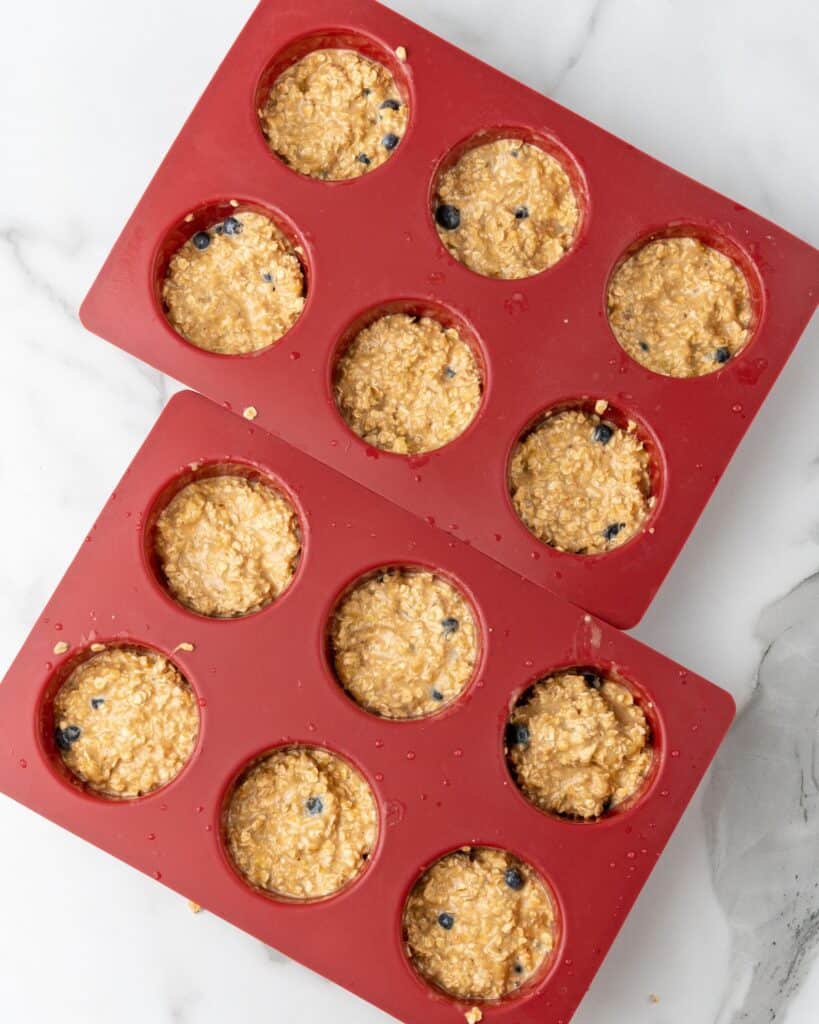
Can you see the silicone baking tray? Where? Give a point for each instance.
(264, 680)
(370, 245)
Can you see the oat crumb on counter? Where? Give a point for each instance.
(194, 908)
(184, 646)
(250, 413)
(474, 1016)
(61, 647)
(401, 52)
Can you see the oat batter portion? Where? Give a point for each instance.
(235, 288)
(479, 924)
(579, 745)
(580, 483)
(404, 643)
(334, 115)
(679, 307)
(506, 209)
(408, 384)
(301, 823)
(125, 722)
(227, 545)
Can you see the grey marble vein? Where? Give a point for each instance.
(587, 32)
(762, 818)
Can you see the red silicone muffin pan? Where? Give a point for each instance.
(370, 245)
(264, 680)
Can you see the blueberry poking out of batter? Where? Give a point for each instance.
(201, 240)
(446, 921)
(450, 625)
(514, 879)
(363, 159)
(390, 141)
(518, 968)
(448, 216)
(232, 226)
(315, 805)
(449, 373)
(722, 354)
(97, 702)
(644, 345)
(65, 737)
(521, 212)
(603, 433)
(592, 680)
(267, 277)
(612, 530)
(390, 105)
(517, 735)
(436, 695)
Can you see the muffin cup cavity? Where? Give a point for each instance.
(222, 220)
(216, 471)
(444, 424)
(398, 91)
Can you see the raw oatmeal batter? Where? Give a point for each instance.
(237, 287)
(506, 209)
(125, 722)
(579, 745)
(407, 384)
(227, 545)
(479, 924)
(404, 643)
(301, 823)
(334, 115)
(680, 307)
(581, 483)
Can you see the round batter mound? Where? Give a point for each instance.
(301, 823)
(237, 287)
(334, 115)
(580, 483)
(506, 209)
(479, 924)
(579, 745)
(680, 307)
(227, 545)
(404, 643)
(407, 384)
(125, 722)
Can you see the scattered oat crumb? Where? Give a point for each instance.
(473, 1016)
(96, 648)
(234, 203)
(651, 529)
(189, 218)
(600, 406)
(653, 998)
(401, 54)
(194, 908)
(184, 646)
(251, 412)
(61, 647)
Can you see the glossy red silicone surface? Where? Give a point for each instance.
(264, 680)
(370, 245)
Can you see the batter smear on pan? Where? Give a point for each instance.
(301, 823)
(479, 924)
(404, 643)
(227, 545)
(334, 115)
(578, 745)
(407, 384)
(506, 209)
(235, 288)
(680, 308)
(125, 722)
(581, 483)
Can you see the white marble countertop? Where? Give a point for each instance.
(93, 93)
